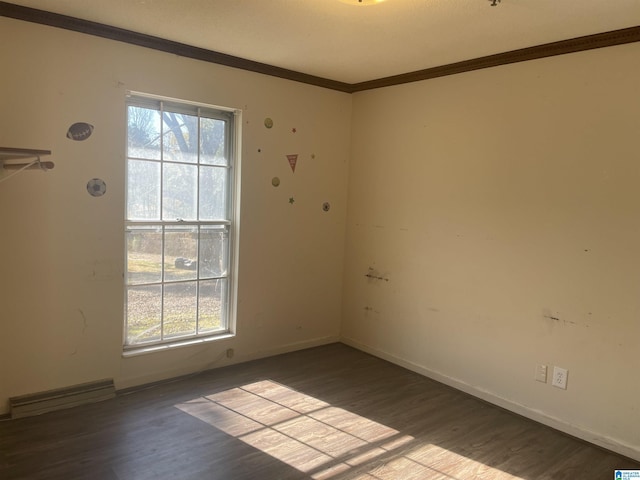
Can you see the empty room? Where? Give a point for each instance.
(328, 239)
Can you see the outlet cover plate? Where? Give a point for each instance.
(560, 377)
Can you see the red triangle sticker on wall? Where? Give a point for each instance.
(293, 159)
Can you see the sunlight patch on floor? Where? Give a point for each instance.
(324, 441)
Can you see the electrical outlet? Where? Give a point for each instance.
(560, 377)
(230, 352)
(541, 373)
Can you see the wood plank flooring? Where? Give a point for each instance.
(330, 412)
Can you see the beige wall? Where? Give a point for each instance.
(61, 284)
(501, 208)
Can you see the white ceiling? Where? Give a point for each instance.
(344, 41)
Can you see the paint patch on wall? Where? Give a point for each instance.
(79, 131)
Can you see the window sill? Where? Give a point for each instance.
(144, 349)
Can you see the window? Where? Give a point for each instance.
(179, 221)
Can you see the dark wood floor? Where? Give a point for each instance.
(326, 413)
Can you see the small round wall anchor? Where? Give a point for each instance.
(96, 187)
(275, 181)
(268, 122)
(326, 206)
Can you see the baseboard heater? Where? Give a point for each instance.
(38, 403)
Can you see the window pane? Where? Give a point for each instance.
(212, 314)
(178, 220)
(180, 143)
(179, 191)
(214, 251)
(212, 142)
(213, 193)
(144, 255)
(144, 314)
(143, 133)
(180, 309)
(143, 192)
(180, 253)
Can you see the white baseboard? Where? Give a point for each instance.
(290, 347)
(528, 412)
(221, 361)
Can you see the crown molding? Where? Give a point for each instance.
(65, 22)
(579, 44)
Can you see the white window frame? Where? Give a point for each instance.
(230, 223)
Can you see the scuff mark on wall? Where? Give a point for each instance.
(557, 320)
(564, 322)
(368, 310)
(103, 270)
(373, 274)
(83, 329)
(84, 321)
